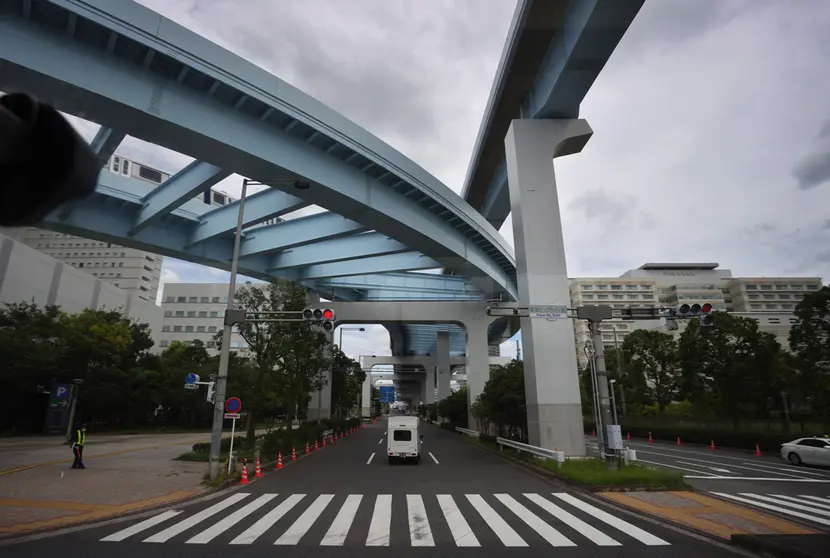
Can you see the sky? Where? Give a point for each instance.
(711, 121)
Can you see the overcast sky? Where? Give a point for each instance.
(711, 120)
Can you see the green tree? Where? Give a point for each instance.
(502, 403)
(651, 363)
(346, 383)
(454, 408)
(810, 343)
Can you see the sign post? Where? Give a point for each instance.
(232, 408)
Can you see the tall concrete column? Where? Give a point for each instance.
(321, 400)
(366, 396)
(554, 409)
(442, 364)
(429, 383)
(478, 361)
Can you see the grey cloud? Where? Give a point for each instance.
(813, 170)
(617, 210)
(823, 257)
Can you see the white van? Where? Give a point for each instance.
(403, 439)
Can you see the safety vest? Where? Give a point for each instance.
(81, 437)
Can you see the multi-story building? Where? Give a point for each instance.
(768, 300)
(194, 311)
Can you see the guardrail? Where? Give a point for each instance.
(328, 432)
(544, 453)
(467, 432)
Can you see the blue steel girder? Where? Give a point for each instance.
(159, 82)
(105, 142)
(269, 239)
(336, 250)
(407, 261)
(192, 180)
(554, 52)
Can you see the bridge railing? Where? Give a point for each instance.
(467, 432)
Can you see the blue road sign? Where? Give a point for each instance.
(233, 405)
(387, 394)
(61, 391)
(191, 378)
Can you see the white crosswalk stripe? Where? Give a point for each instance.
(469, 520)
(813, 509)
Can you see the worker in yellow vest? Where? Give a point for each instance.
(78, 441)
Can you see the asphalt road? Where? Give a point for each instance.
(766, 482)
(348, 501)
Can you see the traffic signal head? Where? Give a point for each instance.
(328, 326)
(706, 318)
(318, 314)
(328, 314)
(325, 315)
(211, 392)
(308, 314)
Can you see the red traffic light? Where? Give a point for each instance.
(328, 314)
(706, 308)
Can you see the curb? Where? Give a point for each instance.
(268, 468)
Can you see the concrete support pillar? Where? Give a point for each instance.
(554, 409)
(429, 385)
(366, 396)
(442, 364)
(478, 361)
(321, 399)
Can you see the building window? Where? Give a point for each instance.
(188, 329)
(177, 328)
(211, 329)
(181, 299)
(215, 299)
(168, 313)
(191, 314)
(205, 299)
(165, 328)
(214, 314)
(149, 174)
(203, 314)
(180, 313)
(200, 329)
(164, 343)
(193, 299)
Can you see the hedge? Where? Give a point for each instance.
(728, 438)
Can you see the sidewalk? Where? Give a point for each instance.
(39, 491)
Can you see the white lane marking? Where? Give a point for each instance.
(503, 531)
(371, 457)
(777, 479)
(554, 537)
(420, 533)
(193, 520)
(716, 469)
(671, 466)
(300, 527)
(267, 521)
(631, 530)
(593, 534)
(460, 529)
(783, 501)
(381, 523)
(707, 463)
(380, 441)
(433, 457)
(242, 513)
(773, 508)
(139, 527)
(777, 469)
(336, 535)
(825, 503)
(719, 456)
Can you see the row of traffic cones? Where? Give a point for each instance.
(679, 443)
(258, 470)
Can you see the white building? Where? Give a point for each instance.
(29, 275)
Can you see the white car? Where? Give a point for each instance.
(807, 451)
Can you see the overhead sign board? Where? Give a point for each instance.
(387, 394)
(233, 405)
(547, 311)
(232, 415)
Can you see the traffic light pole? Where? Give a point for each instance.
(225, 354)
(602, 388)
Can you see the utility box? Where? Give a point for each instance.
(613, 434)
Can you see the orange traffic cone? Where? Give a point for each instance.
(293, 454)
(324, 441)
(678, 441)
(712, 445)
(316, 445)
(258, 470)
(649, 438)
(279, 460)
(244, 479)
(628, 437)
(757, 450)
(593, 433)
(307, 449)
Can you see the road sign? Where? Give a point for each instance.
(233, 405)
(61, 392)
(191, 378)
(548, 311)
(232, 415)
(387, 394)
(191, 386)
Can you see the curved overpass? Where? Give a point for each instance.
(134, 72)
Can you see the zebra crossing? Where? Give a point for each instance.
(470, 520)
(807, 508)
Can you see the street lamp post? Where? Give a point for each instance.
(227, 331)
(614, 399)
(340, 334)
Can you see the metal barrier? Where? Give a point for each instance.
(328, 432)
(558, 456)
(467, 432)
